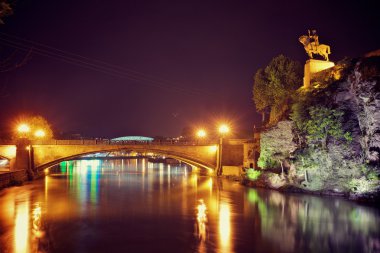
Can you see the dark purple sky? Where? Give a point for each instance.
(195, 59)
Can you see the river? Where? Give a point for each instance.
(133, 205)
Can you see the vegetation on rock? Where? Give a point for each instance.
(325, 123)
(276, 145)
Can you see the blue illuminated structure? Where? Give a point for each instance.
(133, 138)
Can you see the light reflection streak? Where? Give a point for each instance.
(94, 185)
(201, 219)
(161, 174)
(194, 180)
(143, 166)
(37, 228)
(225, 227)
(21, 239)
(135, 164)
(46, 188)
(201, 225)
(168, 172)
(210, 185)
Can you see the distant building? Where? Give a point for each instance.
(133, 138)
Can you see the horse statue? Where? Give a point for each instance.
(314, 47)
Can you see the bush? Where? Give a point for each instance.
(363, 185)
(325, 123)
(265, 160)
(253, 174)
(276, 144)
(335, 169)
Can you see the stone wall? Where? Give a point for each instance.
(12, 178)
(312, 67)
(233, 155)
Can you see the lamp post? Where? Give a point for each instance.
(223, 130)
(23, 151)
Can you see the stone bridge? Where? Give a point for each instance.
(38, 156)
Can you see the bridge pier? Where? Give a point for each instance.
(24, 157)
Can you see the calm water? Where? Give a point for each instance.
(136, 206)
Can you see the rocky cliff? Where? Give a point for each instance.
(351, 165)
(357, 94)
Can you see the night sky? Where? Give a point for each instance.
(115, 68)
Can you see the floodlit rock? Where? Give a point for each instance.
(343, 165)
(365, 85)
(358, 95)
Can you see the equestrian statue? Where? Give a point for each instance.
(312, 46)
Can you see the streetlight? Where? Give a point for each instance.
(23, 129)
(201, 134)
(40, 133)
(223, 130)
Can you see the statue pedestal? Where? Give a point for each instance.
(312, 67)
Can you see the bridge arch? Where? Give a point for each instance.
(4, 158)
(181, 157)
(5, 164)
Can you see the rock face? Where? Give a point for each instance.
(365, 85)
(358, 95)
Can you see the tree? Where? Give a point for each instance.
(5, 10)
(261, 96)
(325, 123)
(274, 86)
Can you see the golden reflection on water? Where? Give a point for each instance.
(210, 185)
(168, 173)
(21, 244)
(201, 225)
(224, 227)
(143, 166)
(201, 219)
(37, 227)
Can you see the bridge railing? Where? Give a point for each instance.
(110, 142)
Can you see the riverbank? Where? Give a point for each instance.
(262, 182)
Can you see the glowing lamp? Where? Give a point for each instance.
(201, 133)
(23, 128)
(39, 133)
(223, 129)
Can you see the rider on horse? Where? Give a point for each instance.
(314, 39)
(312, 46)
